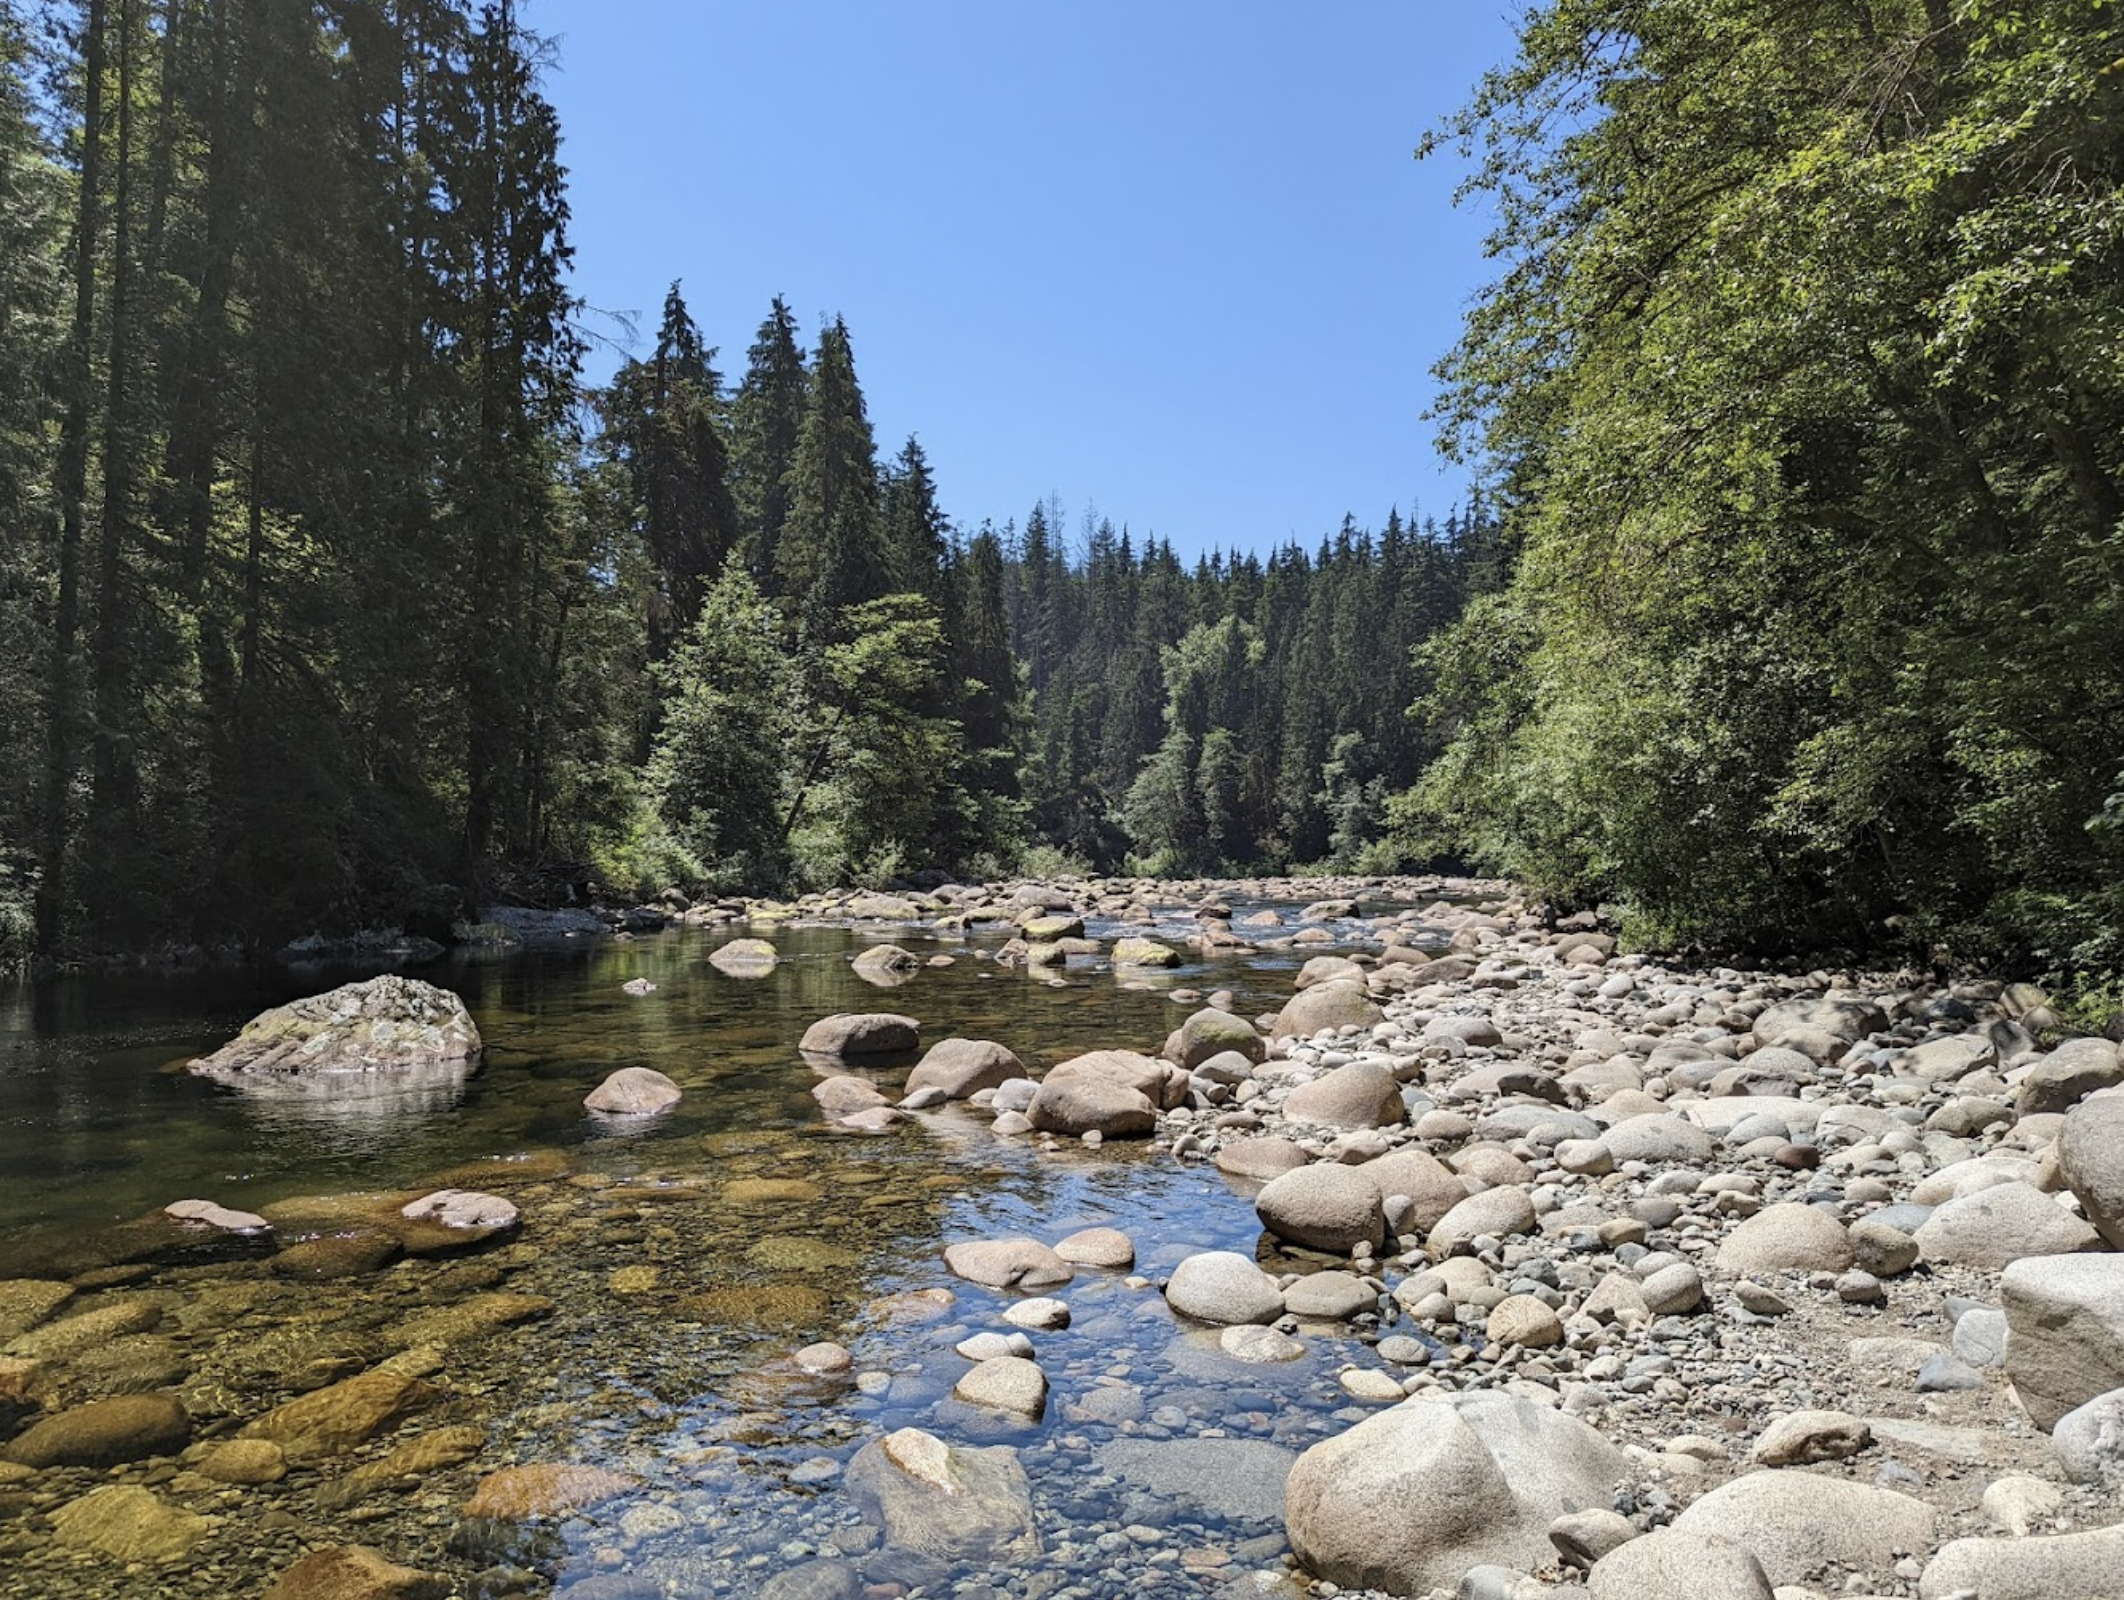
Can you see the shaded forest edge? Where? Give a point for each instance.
(334, 597)
(330, 595)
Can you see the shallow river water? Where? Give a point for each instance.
(644, 1318)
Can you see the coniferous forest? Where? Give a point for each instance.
(334, 596)
(331, 593)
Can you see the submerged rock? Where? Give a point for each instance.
(965, 1506)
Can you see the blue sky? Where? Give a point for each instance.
(1170, 259)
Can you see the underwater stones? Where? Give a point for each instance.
(478, 1317)
(352, 1253)
(962, 1068)
(245, 1462)
(854, 1035)
(947, 1502)
(771, 1191)
(791, 1252)
(98, 1325)
(25, 1302)
(756, 1305)
(128, 1523)
(545, 1490)
(355, 1572)
(334, 1420)
(356, 1038)
(1007, 1263)
(633, 1092)
(104, 1433)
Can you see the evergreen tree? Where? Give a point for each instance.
(831, 554)
(766, 420)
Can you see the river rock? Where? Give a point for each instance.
(334, 1420)
(744, 958)
(98, 1325)
(1323, 1207)
(104, 1433)
(1329, 1296)
(25, 1302)
(2089, 1439)
(1210, 1032)
(127, 1523)
(1663, 1140)
(633, 1092)
(1007, 1263)
(1328, 969)
(2068, 1075)
(1796, 1522)
(1342, 1004)
(1786, 1238)
(355, 1572)
(1145, 953)
(2090, 1152)
(1802, 1438)
(2000, 1225)
(545, 1490)
(966, 1507)
(2064, 1331)
(1359, 1094)
(886, 963)
(1504, 1211)
(853, 1035)
(1411, 1498)
(1258, 1345)
(353, 1040)
(1431, 1188)
(1521, 1319)
(1668, 1564)
(962, 1068)
(1881, 1250)
(1222, 1286)
(1006, 1383)
(350, 1253)
(463, 1211)
(211, 1214)
(1077, 1104)
(2070, 1566)
(1261, 1159)
(1107, 1248)
(1820, 1028)
(845, 1095)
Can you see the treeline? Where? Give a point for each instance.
(1801, 393)
(330, 595)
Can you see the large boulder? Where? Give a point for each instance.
(386, 1036)
(1356, 1095)
(966, 1507)
(2070, 1073)
(1666, 1565)
(744, 958)
(1786, 1238)
(1211, 1032)
(355, 1572)
(2067, 1567)
(851, 1036)
(962, 1068)
(633, 1092)
(2091, 1161)
(1997, 1226)
(1114, 1093)
(335, 1420)
(2064, 1331)
(104, 1433)
(1796, 1523)
(1820, 1028)
(1502, 1212)
(1145, 953)
(1341, 1003)
(1411, 1498)
(1431, 1186)
(1324, 1207)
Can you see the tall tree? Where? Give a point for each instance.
(832, 553)
(766, 420)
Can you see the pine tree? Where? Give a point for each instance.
(766, 420)
(831, 554)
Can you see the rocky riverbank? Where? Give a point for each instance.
(1493, 1264)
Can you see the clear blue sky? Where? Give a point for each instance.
(1168, 258)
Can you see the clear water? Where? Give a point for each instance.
(681, 1378)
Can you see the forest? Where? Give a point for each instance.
(332, 595)
(1790, 613)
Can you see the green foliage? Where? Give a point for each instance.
(1799, 383)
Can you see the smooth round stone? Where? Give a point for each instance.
(990, 1345)
(1106, 1248)
(1329, 1296)
(1041, 1313)
(1369, 1383)
(1223, 1286)
(1403, 1351)
(1258, 1345)
(824, 1357)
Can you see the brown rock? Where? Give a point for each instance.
(334, 1420)
(547, 1489)
(105, 1433)
(355, 1572)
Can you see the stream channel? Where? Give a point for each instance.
(667, 1286)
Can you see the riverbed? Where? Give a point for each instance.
(644, 1319)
